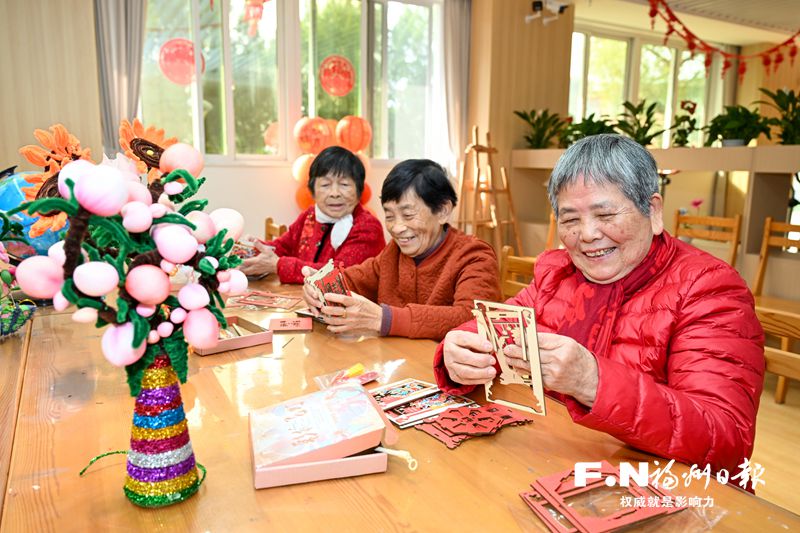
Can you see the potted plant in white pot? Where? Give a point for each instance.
(737, 126)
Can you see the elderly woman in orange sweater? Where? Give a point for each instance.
(425, 280)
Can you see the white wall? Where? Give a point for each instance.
(261, 190)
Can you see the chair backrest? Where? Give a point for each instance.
(721, 229)
(550, 243)
(516, 272)
(272, 230)
(782, 240)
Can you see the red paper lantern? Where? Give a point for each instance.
(300, 168)
(366, 194)
(303, 197)
(726, 66)
(337, 75)
(792, 53)
(766, 61)
(176, 61)
(354, 133)
(312, 134)
(742, 70)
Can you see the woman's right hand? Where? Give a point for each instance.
(310, 292)
(468, 359)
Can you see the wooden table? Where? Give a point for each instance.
(74, 405)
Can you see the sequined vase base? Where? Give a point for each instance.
(161, 464)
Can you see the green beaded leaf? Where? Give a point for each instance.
(206, 267)
(178, 352)
(136, 370)
(218, 314)
(45, 205)
(122, 310)
(120, 234)
(141, 327)
(68, 290)
(173, 218)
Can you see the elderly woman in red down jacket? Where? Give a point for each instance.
(641, 335)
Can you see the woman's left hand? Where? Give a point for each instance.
(266, 262)
(567, 366)
(358, 314)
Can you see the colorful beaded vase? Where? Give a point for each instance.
(161, 463)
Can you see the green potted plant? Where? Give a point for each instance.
(638, 122)
(739, 124)
(576, 131)
(685, 125)
(545, 126)
(788, 105)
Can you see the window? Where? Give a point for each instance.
(254, 83)
(608, 69)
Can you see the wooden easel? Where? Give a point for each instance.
(478, 212)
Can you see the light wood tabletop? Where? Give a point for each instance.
(74, 405)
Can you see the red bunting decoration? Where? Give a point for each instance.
(771, 57)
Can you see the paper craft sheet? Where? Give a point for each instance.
(414, 411)
(328, 279)
(400, 392)
(502, 325)
(269, 299)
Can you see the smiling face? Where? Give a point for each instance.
(412, 225)
(336, 196)
(603, 231)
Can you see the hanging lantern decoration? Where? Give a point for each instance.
(253, 10)
(312, 134)
(660, 8)
(707, 62)
(337, 75)
(354, 133)
(366, 194)
(176, 61)
(303, 197)
(300, 169)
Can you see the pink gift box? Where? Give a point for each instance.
(254, 334)
(323, 435)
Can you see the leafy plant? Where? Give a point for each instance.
(638, 121)
(576, 131)
(544, 127)
(788, 105)
(737, 122)
(685, 125)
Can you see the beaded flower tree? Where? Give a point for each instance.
(126, 239)
(13, 314)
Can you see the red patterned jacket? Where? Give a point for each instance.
(681, 362)
(298, 246)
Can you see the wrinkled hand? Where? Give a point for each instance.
(358, 314)
(266, 262)
(468, 359)
(567, 366)
(310, 292)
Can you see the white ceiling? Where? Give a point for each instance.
(737, 22)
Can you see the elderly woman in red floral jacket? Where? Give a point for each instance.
(336, 227)
(641, 335)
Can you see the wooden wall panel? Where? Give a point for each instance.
(49, 66)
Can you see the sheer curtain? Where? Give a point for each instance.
(456, 75)
(119, 31)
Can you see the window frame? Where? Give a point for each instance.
(288, 41)
(717, 90)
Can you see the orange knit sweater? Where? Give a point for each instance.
(431, 298)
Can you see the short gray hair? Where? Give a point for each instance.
(607, 158)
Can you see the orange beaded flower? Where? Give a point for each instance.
(144, 146)
(58, 147)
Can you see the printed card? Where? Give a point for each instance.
(400, 392)
(269, 299)
(290, 324)
(410, 413)
(328, 279)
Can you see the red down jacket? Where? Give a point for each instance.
(682, 374)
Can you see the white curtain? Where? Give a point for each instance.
(119, 32)
(456, 75)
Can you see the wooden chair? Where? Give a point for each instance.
(550, 243)
(778, 316)
(516, 272)
(272, 230)
(721, 229)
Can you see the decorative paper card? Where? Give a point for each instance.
(328, 279)
(400, 392)
(269, 299)
(290, 324)
(324, 425)
(414, 411)
(503, 325)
